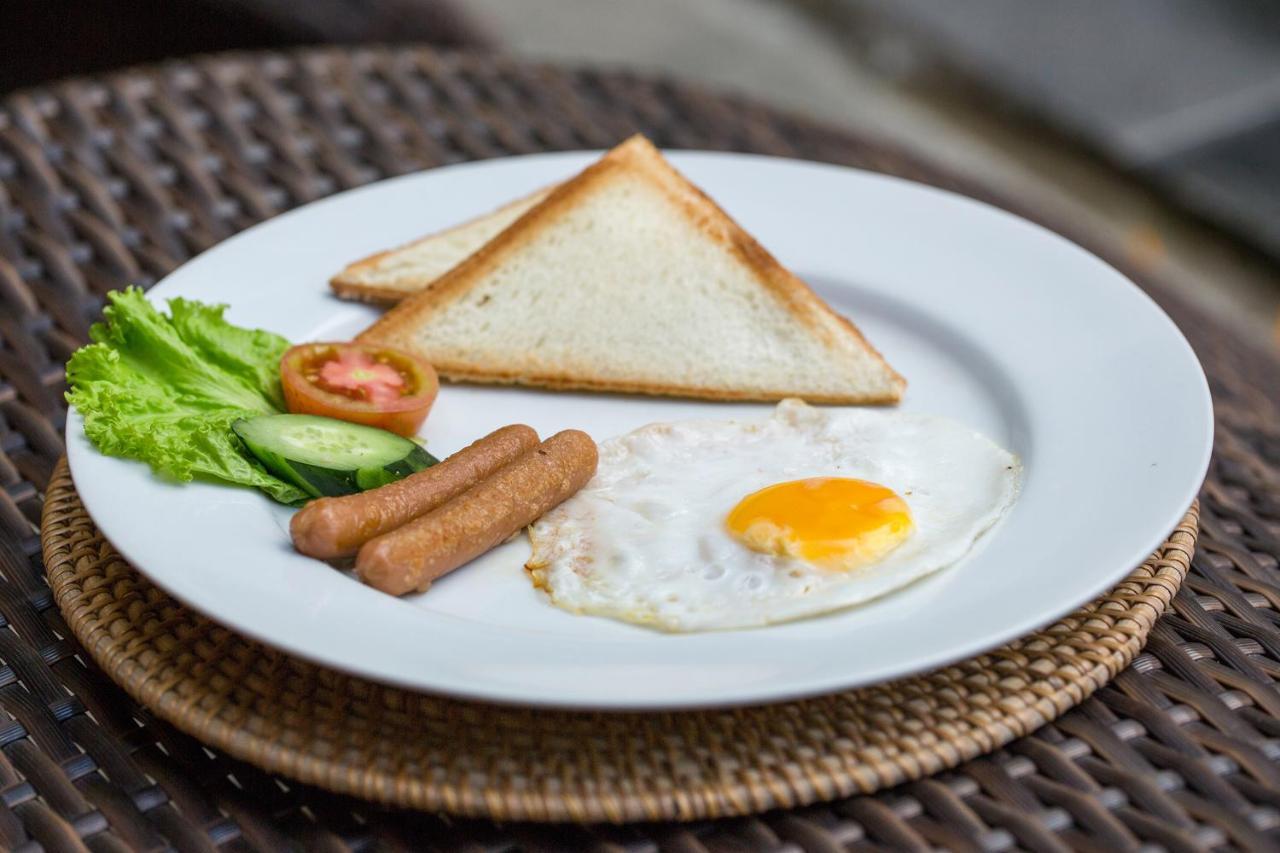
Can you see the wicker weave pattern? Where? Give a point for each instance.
(111, 182)
(513, 764)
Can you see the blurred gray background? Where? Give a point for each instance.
(1153, 125)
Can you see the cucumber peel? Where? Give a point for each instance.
(326, 457)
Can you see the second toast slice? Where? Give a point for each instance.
(390, 276)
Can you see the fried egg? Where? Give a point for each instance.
(706, 525)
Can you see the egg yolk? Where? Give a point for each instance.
(833, 522)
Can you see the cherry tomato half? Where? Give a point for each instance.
(364, 384)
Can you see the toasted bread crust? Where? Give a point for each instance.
(373, 294)
(564, 382)
(352, 282)
(636, 154)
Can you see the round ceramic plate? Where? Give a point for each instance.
(994, 321)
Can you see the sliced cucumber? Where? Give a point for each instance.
(324, 456)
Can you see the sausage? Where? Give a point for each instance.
(337, 527)
(485, 515)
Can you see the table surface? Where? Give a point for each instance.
(117, 180)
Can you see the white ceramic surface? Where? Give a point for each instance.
(995, 322)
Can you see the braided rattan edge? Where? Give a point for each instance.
(1041, 676)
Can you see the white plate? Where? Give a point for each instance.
(995, 322)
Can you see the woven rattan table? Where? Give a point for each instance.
(119, 180)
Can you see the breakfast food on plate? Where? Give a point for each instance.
(628, 278)
(624, 278)
(165, 389)
(325, 457)
(704, 525)
(196, 397)
(374, 386)
(474, 522)
(390, 276)
(336, 527)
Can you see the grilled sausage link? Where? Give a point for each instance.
(485, 515)
(337, 527)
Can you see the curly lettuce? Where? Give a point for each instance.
(164, 390)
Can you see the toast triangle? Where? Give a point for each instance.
(628, 278)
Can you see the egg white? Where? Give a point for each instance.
(646, 542)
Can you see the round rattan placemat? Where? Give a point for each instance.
(408, 749)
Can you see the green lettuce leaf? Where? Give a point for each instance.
(165, 389)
